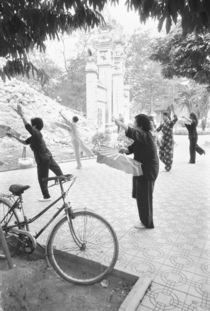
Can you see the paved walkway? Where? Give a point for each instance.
(177, 252)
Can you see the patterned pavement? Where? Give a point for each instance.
(176, 253)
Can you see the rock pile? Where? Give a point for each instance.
(35, 104)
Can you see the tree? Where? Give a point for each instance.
(193, 96)
(68, 80)
(194, 14)
(184, 56)
(149, 90)
(188, 57)
(49, 69)
(25, 24)
(71, 87)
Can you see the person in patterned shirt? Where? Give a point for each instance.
(166, 149)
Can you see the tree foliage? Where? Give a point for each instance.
(49, 69)
(68, 80)
(149, 90)
(184, 56)
(25, 24)
(194, 14)
(193, 96)
(71, 87)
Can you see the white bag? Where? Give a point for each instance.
(113, 158)
(25, 162)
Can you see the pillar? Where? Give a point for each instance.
(91, 90)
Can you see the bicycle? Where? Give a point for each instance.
(82, 247)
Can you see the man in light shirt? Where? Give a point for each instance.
(77, 143)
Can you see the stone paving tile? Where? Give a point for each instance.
(161, 298)
(176, 253)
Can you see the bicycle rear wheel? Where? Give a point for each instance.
(90, 261)
(8, 218)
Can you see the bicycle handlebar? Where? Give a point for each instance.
(65, 177)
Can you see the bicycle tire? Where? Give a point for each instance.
(12, 242)
(90, 270)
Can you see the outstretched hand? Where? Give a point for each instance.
(123, 150)
(115, 120)
(9, 134)
(18, 110)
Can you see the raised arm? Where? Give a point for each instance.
(159, 128)
(69, 123)
(174, 120)
(120, 123)
(64, 126)
(19, 111)
(22, 141)
(185, 119)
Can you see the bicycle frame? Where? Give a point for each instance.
(26, 221)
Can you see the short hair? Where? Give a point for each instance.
(75, 119)
(38, 122)
(143, 121)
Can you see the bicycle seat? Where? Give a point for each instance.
(18, 189)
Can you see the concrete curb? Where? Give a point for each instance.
(136, 295)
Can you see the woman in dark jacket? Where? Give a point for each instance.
(145, 152)
(191, 125)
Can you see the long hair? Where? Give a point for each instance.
(143, 121)
(194, 117)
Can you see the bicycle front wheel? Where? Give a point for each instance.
(85, 252)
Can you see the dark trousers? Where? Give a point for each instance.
(193, 142)
(43, 168)
(143, 193)
(199, 150)
(194, 148)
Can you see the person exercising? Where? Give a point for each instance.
(42, 155)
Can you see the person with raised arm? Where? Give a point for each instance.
(144, 151)
(77, 143)
(191, 125)
(42, 155)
